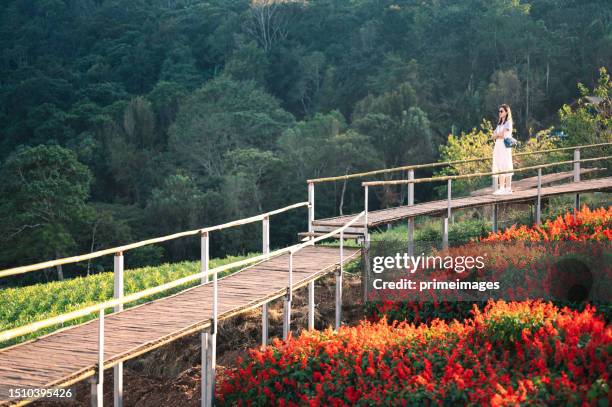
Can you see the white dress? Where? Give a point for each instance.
(502, 155)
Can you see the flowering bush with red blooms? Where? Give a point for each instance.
(524, 270)
(506, 355)
(418, 312)
(581, 225)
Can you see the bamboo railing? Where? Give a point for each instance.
(447, 163)
(450, 178)
(208, 338)
(121, 249)
(60, 319)
(479, 174)
(411, 169)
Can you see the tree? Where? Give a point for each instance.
(165, 98)
(177, 205)
(505, 87)
(590, 121)
(305, 90)
(325, 146)
(248, 61)
(268, 21)
(43, 206)
(246, 170)
(396, 126)
(302, 145)
(222, 115)
(350, 152)
(180, 67)
(139, 123)
(393, 72)
(111, 228)
(134, 150)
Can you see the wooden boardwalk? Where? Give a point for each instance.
(69, 355)
(389, 215)
(532, 182)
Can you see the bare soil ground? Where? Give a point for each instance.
(170, 375)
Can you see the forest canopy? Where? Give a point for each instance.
(127, 119)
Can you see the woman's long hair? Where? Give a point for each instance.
(508, 114)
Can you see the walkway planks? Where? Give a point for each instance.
(532, 182)
(70, 355)
(384, 216)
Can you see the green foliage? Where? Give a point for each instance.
(247, 170)
(478, 143)
(220, 116)
(396, 126)
(44, 190)
(430, 232)
(146, 90)
(325, 145)
(178, 205)
(473, 144)
(25, 305)
(458, 233)
(248, 62)
(590, 121)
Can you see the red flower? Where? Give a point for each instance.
(544, 355)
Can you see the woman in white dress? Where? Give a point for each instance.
(502, 155)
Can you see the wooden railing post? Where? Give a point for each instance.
(577, 165)
(448, 215)
(449, 198)
(311, 305)
(366, 248)
(495, 219)
(287, 303)
(311, 207)
(207, 338)
(264, 307)
(265, 238)
(118, 293)
(539, 201)
(213, 342)
(339, 283)
(204, 368)
(577, 176)
(204, 255)
(410, 220)
(495, 183)
(209, 348)
(207, 396)
(97, 393)
(444, 232)
(365, 218)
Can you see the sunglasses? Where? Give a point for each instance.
(501, 111)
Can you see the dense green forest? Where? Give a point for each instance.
(127, 119)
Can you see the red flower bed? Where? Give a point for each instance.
(510, 353)
(567, 273)
(581, 225)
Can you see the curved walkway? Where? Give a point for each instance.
(389, 215)
(70, 355)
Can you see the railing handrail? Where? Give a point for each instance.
(58, 319)
(120, 249)
(446, 163)
(478, 174)
(311, 242)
